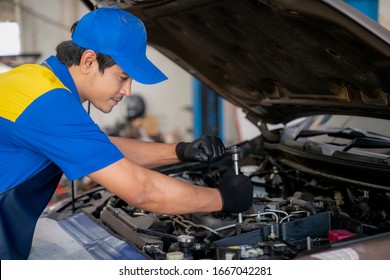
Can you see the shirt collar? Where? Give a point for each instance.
(62, 72)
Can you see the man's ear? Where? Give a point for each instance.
(88, 61)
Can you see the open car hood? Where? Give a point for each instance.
(275, 59)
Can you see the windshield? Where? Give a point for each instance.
(343, 133)
(377, 126)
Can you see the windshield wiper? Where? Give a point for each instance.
(368, 142)
(360, 138)
(346, 133)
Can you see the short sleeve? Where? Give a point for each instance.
(57, 126)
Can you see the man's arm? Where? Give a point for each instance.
(146, 154)
(155, 192)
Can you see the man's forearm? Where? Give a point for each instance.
(147, 154)
(155, 192)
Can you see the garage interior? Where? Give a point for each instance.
(179, 109)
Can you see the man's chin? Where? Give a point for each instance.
(105, 110)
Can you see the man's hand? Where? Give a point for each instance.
(236, 192)
(204, 149)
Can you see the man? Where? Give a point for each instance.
(45, 132)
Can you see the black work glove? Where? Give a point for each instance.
(236, 192)
(204, 149)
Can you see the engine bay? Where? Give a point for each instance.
(293, 214)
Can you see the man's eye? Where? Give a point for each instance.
(124, 78)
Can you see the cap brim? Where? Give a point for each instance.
(141, 69)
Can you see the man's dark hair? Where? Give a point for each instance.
(70, 54)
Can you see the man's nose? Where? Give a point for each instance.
(126, 87)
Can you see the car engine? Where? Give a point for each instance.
(293, 213)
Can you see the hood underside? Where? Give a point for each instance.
(276, 59)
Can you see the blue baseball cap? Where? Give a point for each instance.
(122, 36)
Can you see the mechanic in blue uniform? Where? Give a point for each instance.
(46, 132)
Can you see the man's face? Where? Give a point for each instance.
(105, 90)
